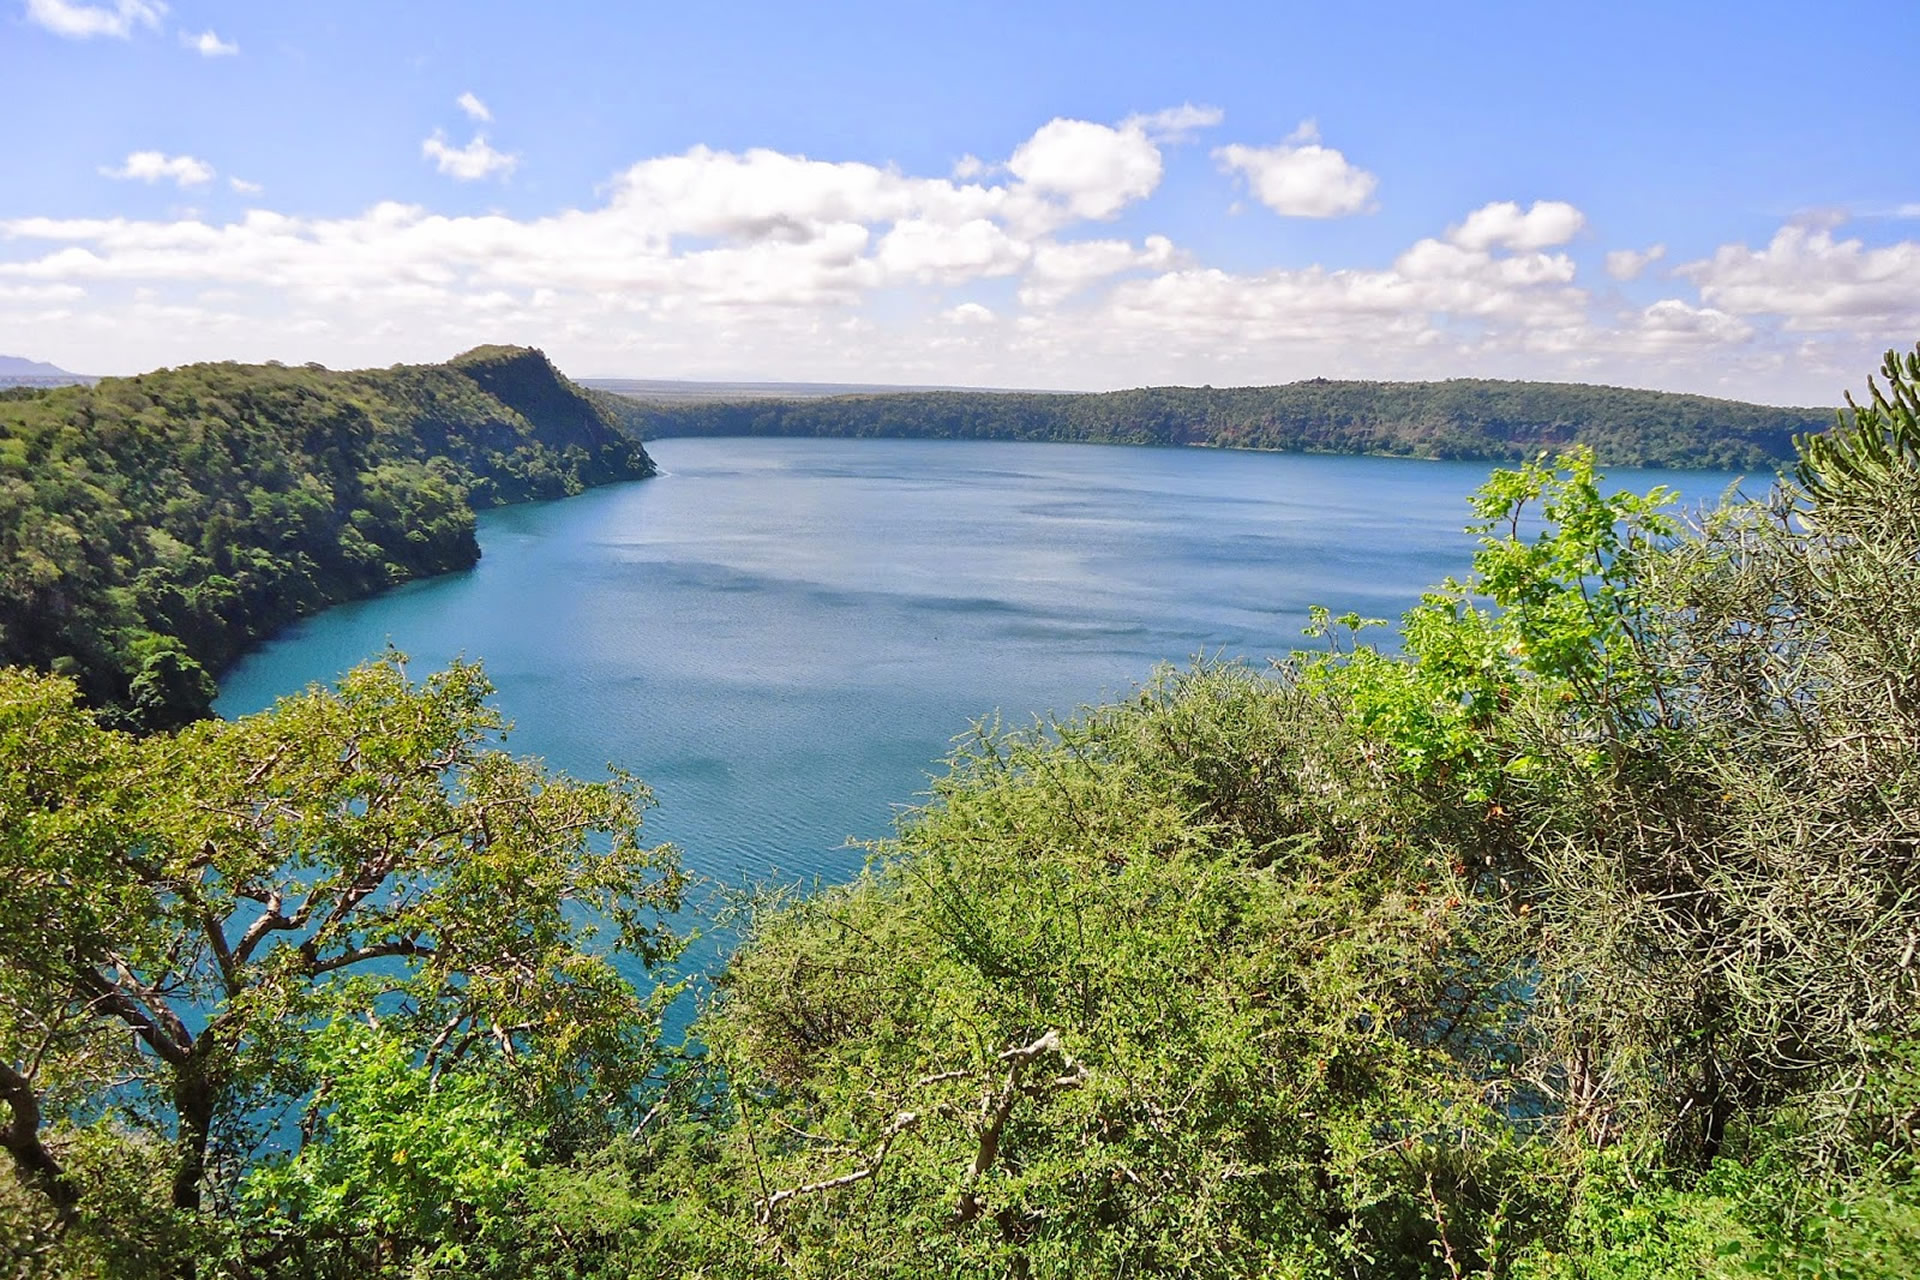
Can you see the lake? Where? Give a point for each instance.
(782, 637)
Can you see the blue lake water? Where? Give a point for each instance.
(782, 637)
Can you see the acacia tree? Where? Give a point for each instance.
(1142, 993)
(183, 913)
(1683, 768)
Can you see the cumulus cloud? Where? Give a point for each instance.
(156, 166)
(1813, 281)
(245, 188)
(1096, 170)
(1432, 289)
(705, 225)
(925, 250)
(1300, 178)
(470, 163)
(1627, 264)
(1061, 270)
(84, 21)
(969, 313)
(1503, 225)
(765, 263)
(209, 45)
(475, 109)
(1672, 324)
(762, 194)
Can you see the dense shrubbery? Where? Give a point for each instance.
(1579, 939)
(1464, 418)
(151, 528)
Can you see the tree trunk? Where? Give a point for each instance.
(193, 1096)
(21, 1137)
(1718, 1110)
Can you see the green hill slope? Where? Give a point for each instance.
(153, 527)
(1465, 418)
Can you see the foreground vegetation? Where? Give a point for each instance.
(1578, 938)
(1463, 418)
(152, 528)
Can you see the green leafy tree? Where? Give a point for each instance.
(404, 1165)
(186, 912)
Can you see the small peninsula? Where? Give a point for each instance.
(152, 528)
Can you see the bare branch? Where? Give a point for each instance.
(998, 1108)
(901, 1123)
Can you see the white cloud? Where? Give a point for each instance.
(1671, 324)
(767, 264)
(155, 166)
(1176, 124)
(1300, 178)
(209, 45)
(17, 293)
(1503, 225)
(245, 188)
(1096, 169)
(969, 313)
(84, 21)
(763, 194)
(1627, 264)
(925, 250)
(1437, 260)
(470, 163)
(1812, 281)
(1432, 290)
(1062, 270)
(475, 109)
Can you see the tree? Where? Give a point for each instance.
(185, 912)
(1133, 995)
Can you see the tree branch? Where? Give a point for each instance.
(399, 947)
(996, 1111)
(172, 1049)
(901, 1123)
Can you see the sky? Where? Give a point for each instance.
(1711, 197)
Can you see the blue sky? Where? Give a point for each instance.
(1712, 197)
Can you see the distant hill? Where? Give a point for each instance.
(18, 371)
(21, 367)
(1462, 418)
(153, 527)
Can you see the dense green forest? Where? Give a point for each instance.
(152, 528)
(1464, 418)
(1577, 935)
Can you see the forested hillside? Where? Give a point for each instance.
(1572, 937)
(1464, 418)
(153, 527)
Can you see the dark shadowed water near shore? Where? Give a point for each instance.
(783, 636)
